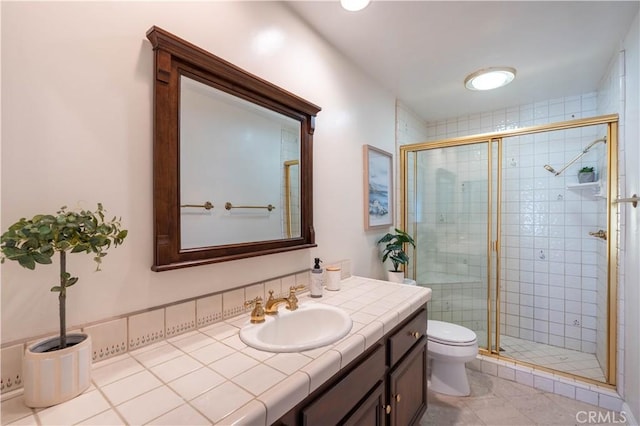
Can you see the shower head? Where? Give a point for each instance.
(583, 152)
(588, 147)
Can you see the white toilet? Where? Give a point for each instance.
(449, 347)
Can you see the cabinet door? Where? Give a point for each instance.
(371, 410)
(337, 402)
(408, 387)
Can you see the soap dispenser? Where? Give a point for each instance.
(316, 279)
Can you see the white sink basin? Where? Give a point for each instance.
(310, 326)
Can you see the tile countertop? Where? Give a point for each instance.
(209, 376)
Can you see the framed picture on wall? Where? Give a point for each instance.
(378, 188)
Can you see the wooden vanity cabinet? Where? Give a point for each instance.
(387, 385)
(347, 395)
(407, 376)
(371, 411)
(408, 388)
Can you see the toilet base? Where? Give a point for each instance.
(449, 378)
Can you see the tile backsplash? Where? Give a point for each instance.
(233, 303)
(109, 338)
(114, 336)
(208, 310)
(180, 318)
(146, 328)
(11, 368)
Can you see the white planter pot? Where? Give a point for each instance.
(584, 177)
(57, 376)
(395, 277)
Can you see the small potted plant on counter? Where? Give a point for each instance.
(586, 174)
(59, 368)
(394, 250)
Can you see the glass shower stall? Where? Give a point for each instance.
(515, 246)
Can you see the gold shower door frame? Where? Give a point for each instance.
(495, 139)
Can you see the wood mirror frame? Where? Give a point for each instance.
(175, 57)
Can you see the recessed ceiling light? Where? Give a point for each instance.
(354, 5)
(490, 78)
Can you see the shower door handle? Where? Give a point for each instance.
(599, 234)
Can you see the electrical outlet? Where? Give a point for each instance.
(108, 339)
(11, 368)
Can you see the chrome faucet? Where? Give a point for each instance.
(271, 307)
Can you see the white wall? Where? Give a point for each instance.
(631, 218)
(77, 130)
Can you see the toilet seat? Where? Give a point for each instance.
(450, 334)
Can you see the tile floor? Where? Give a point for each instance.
(496, 401)
(560, 359)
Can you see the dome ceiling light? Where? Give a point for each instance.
(354, 5)
(490, 78)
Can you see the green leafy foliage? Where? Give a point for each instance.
(394, 248)
(35, 241)
(586, 170)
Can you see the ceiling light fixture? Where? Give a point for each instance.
(354, 5)
(490, 78)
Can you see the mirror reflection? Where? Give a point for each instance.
(232, 160)
(239, 169)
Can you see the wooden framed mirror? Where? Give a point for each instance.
(232, 160)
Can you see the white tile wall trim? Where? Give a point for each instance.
(188, 379)
(118, 335)
(548, 382)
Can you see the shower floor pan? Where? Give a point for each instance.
(567, 360)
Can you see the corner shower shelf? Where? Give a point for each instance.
(595, 187)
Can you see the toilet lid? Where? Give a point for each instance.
(447, 332)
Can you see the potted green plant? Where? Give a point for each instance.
(59, 368)
(394, 250)
(586, 174)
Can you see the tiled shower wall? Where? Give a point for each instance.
(549, 271)
(570, 319)
(608, 100)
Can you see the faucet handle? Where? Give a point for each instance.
(292, 299)
(257, 315)
(293, 289)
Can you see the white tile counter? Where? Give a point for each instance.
(210, 376)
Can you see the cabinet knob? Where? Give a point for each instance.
(415, 334)
(397, 398)
(387, 409)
